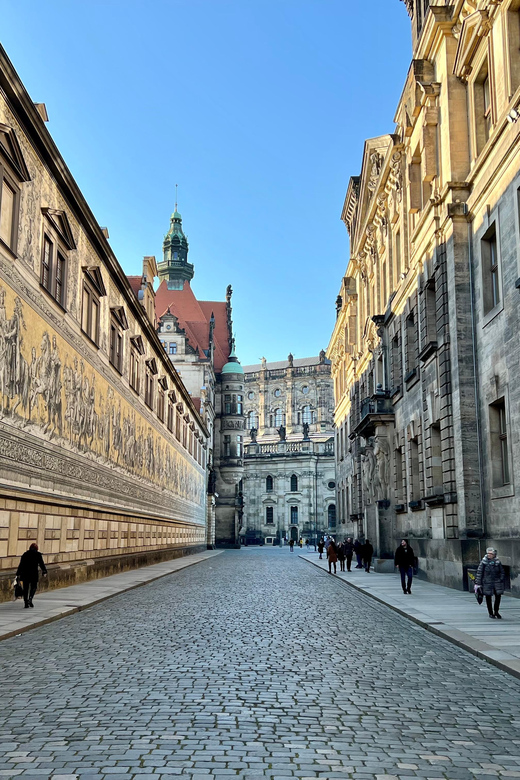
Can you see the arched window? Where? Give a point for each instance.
(331, 512)
(269, 484)
(252, 420)
(306, 415)
(278, 418)
(294, 483)
(294, 515)
(269, 515)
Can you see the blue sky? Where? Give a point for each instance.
(258, 110)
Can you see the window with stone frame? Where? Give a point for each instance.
(93, 290)
(134, 372)
(500, 458)
(400, 476)
(428, 315)
(162, 389)
(396, 362)
(252, 420)
(269, 515)
(294, 483)
(178, 424)
(513, 45)
(294, 515)
(149, 382)
(411, 345)
(57, 243)
(269, 484)
(239, 446)
(118, 324)
(278, 418)
(227, 446)
(331, 515)
(171, 412)
(415, 475)
(491, 286)
(13, 173)
(483, 111)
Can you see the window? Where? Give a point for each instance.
(499, 444)
(400, 488)
(306, 415)
(149, 388)
(227, 404)
(161, 404)
(13, 171)
(227, 446)
(171, 414)
(90, 314)
(331, 515)
(482, 98)
(277, 392)
(178, 425)
(294, 483)
(278, 418)
(331, 485)
(239, 404)
(397, 265)
(411, 343)
(134, 377)
(93, 290)
(305, 389)
(252, 420)
(269, 515)
(53, 267)
(269, 484)
(490, 270)
(294, 515)
(415, 482)
(513, 30)
(116, 347)
(173, 348)
(250, 395)
(239, 446)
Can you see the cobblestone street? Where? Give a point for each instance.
(252, 664)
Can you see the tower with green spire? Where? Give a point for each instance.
(174, 266)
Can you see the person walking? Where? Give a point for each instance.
(367, 553)
(404, 559)
(341, 556)
(349, 552)
(491, 579)
(291, 545)
(28, 571)
(321, 547)
(332, 555)
(301, 544)
(358, 551)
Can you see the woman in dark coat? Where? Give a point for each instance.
(341, 556)
(491, 580)
(404, 558)
(27, 571)
(321, 547)
(332, 555)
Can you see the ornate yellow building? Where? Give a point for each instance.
(102, 452)
(425, 349)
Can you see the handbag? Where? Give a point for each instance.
(479, 595)
(18, 590)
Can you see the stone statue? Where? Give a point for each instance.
(368, 465)
(264, 362)
(382, 458)
(229, 293)
(253, 432)
(322, 356)
(282, 432)
(305, 431)
(290, 358)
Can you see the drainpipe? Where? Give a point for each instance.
(475, 381)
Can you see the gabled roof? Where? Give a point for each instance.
(194, 317)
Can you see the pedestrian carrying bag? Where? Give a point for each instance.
(18, 590)
(479, 595)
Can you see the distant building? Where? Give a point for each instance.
(198, 338)
(289, 489)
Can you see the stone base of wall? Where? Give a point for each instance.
(61, 575)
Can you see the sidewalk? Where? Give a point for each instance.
(451, 614)
(54, 604)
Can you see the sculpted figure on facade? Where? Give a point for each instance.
(382, 456)
(368, 465)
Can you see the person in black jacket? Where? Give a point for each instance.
(404, 559)
(367, 553)
(349, 551)
(358, 549)
(27, 571)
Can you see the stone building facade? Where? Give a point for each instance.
(425, 347)
(289, 471)
(198, 338)
(102, 451)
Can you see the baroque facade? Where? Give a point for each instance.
(288, 487)
(102, 450)
(198, 338)
(425, 347)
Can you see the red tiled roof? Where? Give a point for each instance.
(194, 317)
(135, 283)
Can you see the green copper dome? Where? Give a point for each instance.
(232, 366)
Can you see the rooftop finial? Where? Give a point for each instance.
(176, 196)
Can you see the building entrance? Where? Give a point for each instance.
(294, 533)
